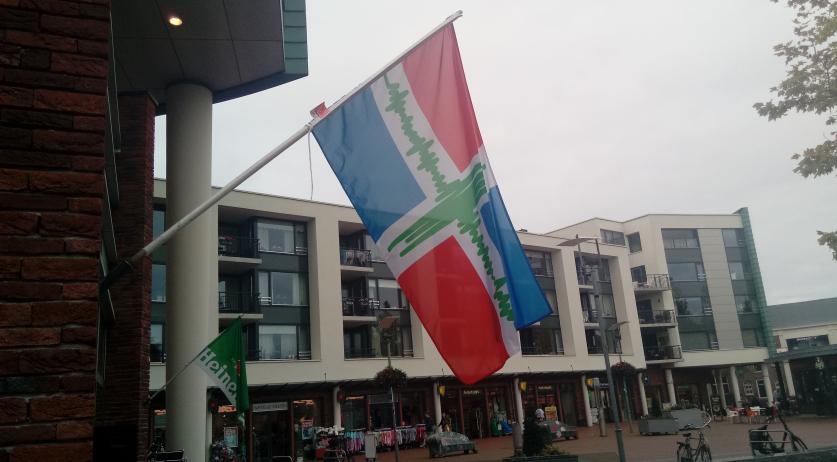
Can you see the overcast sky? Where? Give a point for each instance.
(611, 109)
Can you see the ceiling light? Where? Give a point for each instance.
(175, 21)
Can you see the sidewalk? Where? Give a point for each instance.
(725, 439)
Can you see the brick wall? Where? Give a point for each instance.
(53, 68)
(122, 407)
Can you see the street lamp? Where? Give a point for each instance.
(603, 330)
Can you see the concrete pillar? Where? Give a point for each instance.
(518, 401)
(720, 384)
(733, 383)
(338, 407)
(192, 270)
(672, 395)
(768, 385)
(786, 373)
(709, 395)
(641, 384)
(437, 403)
(586, 395)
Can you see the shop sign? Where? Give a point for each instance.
(545, 388)
(231, 437)
(270, 407)
(550, 413)
(472, 392)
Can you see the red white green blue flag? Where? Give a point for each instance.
(409, 154)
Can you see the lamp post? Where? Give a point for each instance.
(603, 333)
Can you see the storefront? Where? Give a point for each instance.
(814, 373)
(478, 411)
(557, 399)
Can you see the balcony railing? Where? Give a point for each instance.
(671, 352)
(236, 246)
(356, 306)
(356, 257)
(532, 350)
(258, 355)
(360, 353)
(238, 302)
(654, 282)
(657, 317)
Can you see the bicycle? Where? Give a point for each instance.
(699, 453)
(761, 441)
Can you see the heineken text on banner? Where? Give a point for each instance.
(409, 154)
(224, 361)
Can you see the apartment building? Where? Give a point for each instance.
(700, 304)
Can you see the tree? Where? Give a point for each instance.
(810, 86)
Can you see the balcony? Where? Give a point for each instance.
(653, 283)
(237, 254)
(232, 305)
(355, 263)
(585, 281)
(657, 318)
(537, 350)
(669, 353)
(370, 353)
(259, 355)
(358, 311)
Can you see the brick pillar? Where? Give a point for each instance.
(53, 69)
(122, 416)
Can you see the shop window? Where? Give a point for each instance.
(613, 237)
(281, 236)
(634, 243)
(540, 262)
(306, 415)
(380, 410)
(353, 412)
(412, 408)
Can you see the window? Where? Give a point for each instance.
(552, 299)
(283, 342)
(725, 385)
(369, 244)
(541, 341)
(744, 304)
(695, 340)
(283, 288)
(158, 220)
(752, 338)
(388, 294)
(282, 237)
(733, 238)
(691, 306)
(737, 271)
(156, 344)
(638, 274)
(613, 237)
(158, 283)
(540, 262)
(686, 271)
(607, 305)
(680, 239)
(634, 243)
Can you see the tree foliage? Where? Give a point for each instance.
(810, 86)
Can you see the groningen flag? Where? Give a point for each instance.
(409, 154)
(224, 360)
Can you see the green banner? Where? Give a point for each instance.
(224, 360)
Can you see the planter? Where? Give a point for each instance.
(693, 417)
(658, 426)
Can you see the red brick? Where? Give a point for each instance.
(41, 40)
(69, 224)
(63, 452)
(69, 101)
(19, 290)
(75, 429)
(27, 434)
(89, 123)
(32, 159)
(12, 18)
(94, 11)
(79, 335)
(40, 79)
(15, 314)
(35, 59)
(29, 385)
(75, 27)
(18, 222)
(36, 118)
(88, 163)
(83, 246)
(12, 410)
(74, 64)
(66, 182)
(34, 202)
(80, 290)
(30, 245)
(15, 96)
(13, 180)
(55, 360)
(9, 362)
(52, 6)
(10, 55)
(29, 336)
(61, 313)
(78, 382)
(56, 140)
(62, 406)
(85, 204)
(9, 267)
(15, 137)
(95, 48)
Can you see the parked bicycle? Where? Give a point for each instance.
(761, 441)
(699, 453)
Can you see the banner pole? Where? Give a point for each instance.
(127, 265)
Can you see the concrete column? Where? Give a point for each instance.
(733, 383)
(586, 395)
(786, 373)
(192, 270)
(437, 403)
(338, 416)
(709, 394)
(720, 384)
(768, 385)
(518, 401)
(642, 399)
(672, 395)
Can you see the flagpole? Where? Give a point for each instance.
(127, 265)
